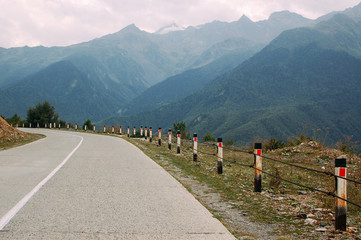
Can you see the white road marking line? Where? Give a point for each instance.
(12, 212)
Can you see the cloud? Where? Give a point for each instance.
(65, 22)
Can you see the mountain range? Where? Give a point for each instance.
(128, 62)
(307, 80)
(241, 80)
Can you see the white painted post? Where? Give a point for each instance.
(160, 137)
(85, 127)
(104, 129)
(76, 127)
(113, 130)
(128, 131)
(170, 139)
(120, 130)
(29, 125)
(93, 128)
(146, 132)
(178, 142)
(341, 191)
(258, 167)
(134, 131)
(195, 143)
(150, 134)
(220, 156)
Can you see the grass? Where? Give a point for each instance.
(279, 203)
(19, 142)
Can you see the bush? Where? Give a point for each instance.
(209, 138)
(273, 144)
(182, 127)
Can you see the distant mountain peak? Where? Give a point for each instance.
(284, 15)
(244, 18)
(169, 28)
(131, 28)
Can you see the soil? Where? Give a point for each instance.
(9, 134)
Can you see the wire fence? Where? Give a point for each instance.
(327, 173)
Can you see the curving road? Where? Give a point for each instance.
(86, 186)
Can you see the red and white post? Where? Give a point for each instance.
(258, 167)
(160, 137)
(120, 130)
(37, 125)
(76, 126)
(93, 128)
(146, 133)
(59, 125)
(50, 125)
(85, 127)
(113, 131)
(134, 131)
(104, 129)
(29, 125)
(128, 131)
(195, 145)
(341, 191)
(178, 142)
(150, 134)
(67, 126)
(220, 156)
(170, 139)
(141, 131)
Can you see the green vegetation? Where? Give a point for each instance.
(42, 113)
(182, 128)
(209, 138)
(88, 124)
(281, 204)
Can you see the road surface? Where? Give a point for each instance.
(86, 186)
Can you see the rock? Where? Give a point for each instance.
(323, 224)
(302, 192)
(302, 215)
(321, 229)
(310, 221)
(310, 215)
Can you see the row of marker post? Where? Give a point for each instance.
(340, 170)
(340, 165)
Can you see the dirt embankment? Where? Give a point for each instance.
(9, 134)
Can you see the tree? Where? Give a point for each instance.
(88, 124)
(42, 113)
(16, 119)
(182, 127)
(209, 138)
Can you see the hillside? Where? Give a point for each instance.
(8, 133)
(181, 85)
(127, 62)
(294, 83)
(70, 91)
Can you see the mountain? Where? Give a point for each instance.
(305, 78)
(181, 85)
(87, 96)
(127, 62)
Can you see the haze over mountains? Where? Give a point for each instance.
(128, 62)
(238, 80)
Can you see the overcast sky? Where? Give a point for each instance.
(65, 22)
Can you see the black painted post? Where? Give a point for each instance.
(220, 156)
(160, 137)
(178, 142)
(170, 139)
(341, 191)
(258, 167)
(150, 134)
(195, 143)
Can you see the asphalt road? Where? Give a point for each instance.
(86, 186)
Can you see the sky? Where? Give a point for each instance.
(66, 22)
